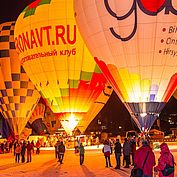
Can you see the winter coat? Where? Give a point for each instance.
(117, 148)
(29, 147)
(106, 150)
(81, 150)
(165, 158)
(133, 147)
(61, 149)
(18, 149)
(140, 156)
(23, 149)
(126, 148)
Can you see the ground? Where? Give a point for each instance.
(45, 165)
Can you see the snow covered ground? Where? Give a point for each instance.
(45, 165)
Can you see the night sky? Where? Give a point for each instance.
(114, 113)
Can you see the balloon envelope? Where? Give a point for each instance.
(18, 96)
(95, 108)
(55, 57)
(134, 44)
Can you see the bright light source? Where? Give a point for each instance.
(143, 114)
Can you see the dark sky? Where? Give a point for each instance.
(114, 111)
(10, 9)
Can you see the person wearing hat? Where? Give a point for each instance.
(144, 159)
(165, 158)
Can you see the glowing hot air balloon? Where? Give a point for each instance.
(55, 57)
(36, 119)
(18, 96)
(135, 46)
(27, 131)
(95, 108)
(51, 121)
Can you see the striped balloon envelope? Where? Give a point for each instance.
(18, 96)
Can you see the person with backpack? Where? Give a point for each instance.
(165, 162)
(144, 159)
(61, 151)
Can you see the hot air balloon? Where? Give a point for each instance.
(51, 121)
(95, 108)
(27, 131)
(55, 57)
(135, 45)
(18, 96)
(36, 119)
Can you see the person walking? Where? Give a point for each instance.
(117, 150)
(145, 159)
(61, 151)
(17, 153)
(23, 150)
(81, 152)
(126, 152)
(29, 149)
(107, 151)
(166, 158)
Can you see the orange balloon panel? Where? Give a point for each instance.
(95, 108)
(134, 44)
(51, 121)
(18, 96)
(55, 56)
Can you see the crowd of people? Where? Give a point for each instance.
(143, 158)
(22, 150)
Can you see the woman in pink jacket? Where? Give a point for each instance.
(145, 152)
(165, 158)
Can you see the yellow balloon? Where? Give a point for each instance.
(55, 57)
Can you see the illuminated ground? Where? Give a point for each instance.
(45, 165)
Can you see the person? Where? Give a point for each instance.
(145, 155)
(133, 148)
(38, 145)
(81, 152)
(107, 151)
(165, 158)
(32, 143)
(126, 152)
(61, 151)
(117, 150)
(23, 150)
(56, 149)
(29, 149)
(17, 153)
(15, 145)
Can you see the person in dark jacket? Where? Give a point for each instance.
(29, 149)
(117, 150)
(81, 152)
(23, 150)
(61, 151)
(126, 152)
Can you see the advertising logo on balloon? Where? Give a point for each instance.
(149, 7)
(39, 37)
